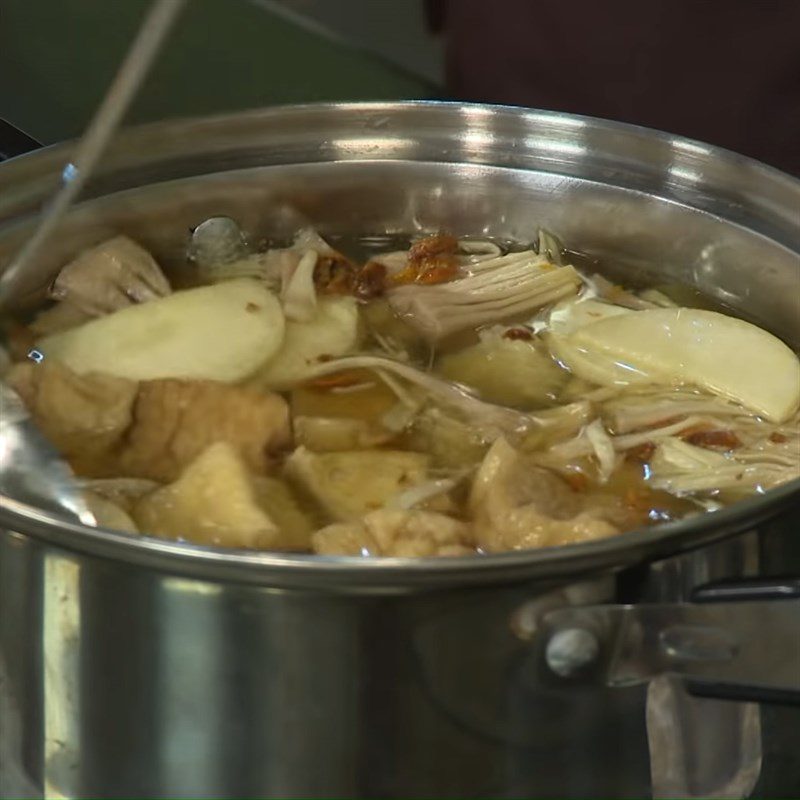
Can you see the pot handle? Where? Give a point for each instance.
(734, 640)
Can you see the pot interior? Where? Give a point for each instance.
(621, 195)
(639, 238)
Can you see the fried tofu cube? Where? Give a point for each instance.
(294, 523)
(174, 421)
(84, 416)
(346, 485)
(402, 534)
(214, 502)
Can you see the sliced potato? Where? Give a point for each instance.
(349, 484)
(222, 332)
(722, 354)
(213, 502)
(333, 331)
(505, 371)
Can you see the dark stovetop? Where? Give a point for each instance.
(14, 142)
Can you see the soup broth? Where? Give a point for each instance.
(425, 397)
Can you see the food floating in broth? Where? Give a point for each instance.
(691, 346)
(222, 332)
(449, 398)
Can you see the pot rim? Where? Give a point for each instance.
(695, 146)
(682, 183)
(353, 573)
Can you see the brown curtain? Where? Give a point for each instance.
(725, 72)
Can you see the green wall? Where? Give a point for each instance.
(58, 56)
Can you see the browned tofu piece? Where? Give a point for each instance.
(294, 523)
(107, 426)
(174, 421)
(518, 505)
(84, 416)
(400, 534)
(346, 485)
(213, 502)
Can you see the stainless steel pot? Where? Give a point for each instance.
(135, 666)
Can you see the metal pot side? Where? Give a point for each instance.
(132, 666)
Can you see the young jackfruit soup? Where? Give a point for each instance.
(454, 396)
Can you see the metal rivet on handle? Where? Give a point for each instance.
(570, 650)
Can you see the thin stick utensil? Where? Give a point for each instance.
(157, 24)
(31, 470)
